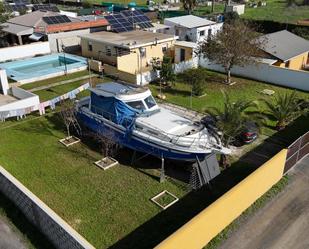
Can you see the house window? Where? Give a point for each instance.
(182, 54)
(176, 32)
(202, 33)
(164, 48)
(287, 64)
(90, 46)
(108, 50)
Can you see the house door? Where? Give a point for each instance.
(182, 54)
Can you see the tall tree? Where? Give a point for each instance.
(189, 5)
(67, 113)
(284, 108)
(196, 78)
(164, 69)
(235, 44)
(231, 119)
(3, 13)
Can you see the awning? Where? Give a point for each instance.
(16, 29)
(35, 36)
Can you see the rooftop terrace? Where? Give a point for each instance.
(132, 39)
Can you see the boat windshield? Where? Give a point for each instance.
(150, 102)
(137, 105)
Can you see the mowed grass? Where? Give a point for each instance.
(56, 91)
(54, 80)
(103, 206)
(246, 89)
(243, 89)
(277, 10)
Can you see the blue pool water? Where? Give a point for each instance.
(34, 68)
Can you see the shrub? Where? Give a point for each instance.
(196, 78)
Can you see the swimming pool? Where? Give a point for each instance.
(43, 67)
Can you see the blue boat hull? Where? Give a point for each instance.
(135, 143)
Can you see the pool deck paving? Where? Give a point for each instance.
(283, 222)
(39, 88)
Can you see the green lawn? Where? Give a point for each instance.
(106, 206)
(277, 10)
(103, 206)
(243, 89)
(54, 80)
(55, 91)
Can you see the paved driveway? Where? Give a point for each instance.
(283, 223)
(9, 239)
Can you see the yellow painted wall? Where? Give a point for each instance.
(206, 225)
(188, 53)
(125, 76)
(297, 63)
(128, 63)
(95, 54)
(279, 64)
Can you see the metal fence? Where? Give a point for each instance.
(296, 151)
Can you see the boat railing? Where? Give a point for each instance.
(179, 140)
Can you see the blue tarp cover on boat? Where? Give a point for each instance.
(113, 109)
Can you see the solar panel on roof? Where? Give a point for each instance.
(119, 23)
(137, 17)
(56, 19)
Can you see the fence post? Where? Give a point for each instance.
(299, 146)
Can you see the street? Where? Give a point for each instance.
(9, 239)
(283, 223)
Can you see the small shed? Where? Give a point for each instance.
(235, 7)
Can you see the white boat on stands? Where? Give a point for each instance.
(138, 122)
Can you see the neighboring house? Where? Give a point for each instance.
(235, 7)
(50, 26)
(127, 55)
(186, 56)
(286, 49)
(185, 51)
(192, 28)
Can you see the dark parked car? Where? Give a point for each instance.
(248, 135)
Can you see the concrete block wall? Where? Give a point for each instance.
(46, 220)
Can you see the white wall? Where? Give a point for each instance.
(194, 33)
(185, 65)
(270, 74)
(23, 51)
(25, 100)
(146, 78)
(214, 30)
(4, 85)
(68, 13)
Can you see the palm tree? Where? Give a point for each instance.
(284, 108)
(231, 120)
